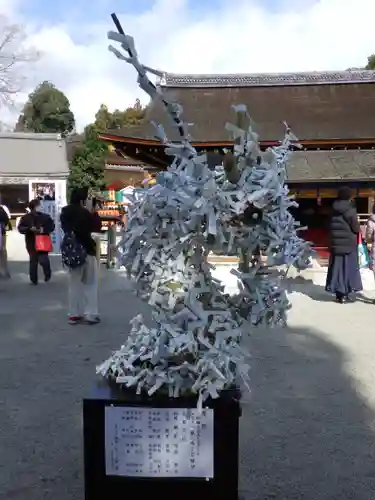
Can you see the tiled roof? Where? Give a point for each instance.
(114, 159)
(314, 112)
(311, 166)
(73, 141)
(317, 106)
(23, 154)
(268, 79)
(344, 165)
(30, 136)
(125, 168)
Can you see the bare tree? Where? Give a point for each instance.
(15, 57)
(5, 127)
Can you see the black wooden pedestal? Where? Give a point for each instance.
(99, 486)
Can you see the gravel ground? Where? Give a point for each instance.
(307, 430)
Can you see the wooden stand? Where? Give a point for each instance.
(99, 486)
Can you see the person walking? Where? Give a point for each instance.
(343, 275)
(7, 211)
(34, 224)
(4, 225)
(370, 239)
(79, 256)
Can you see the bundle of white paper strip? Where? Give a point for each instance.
(171, 228)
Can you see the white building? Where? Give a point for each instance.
(29, 160)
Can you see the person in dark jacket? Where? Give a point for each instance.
(97, 219)
(4, 220)
(343, 275)
(4, 225)
(77, 218)
(33, 223)
(83, 281)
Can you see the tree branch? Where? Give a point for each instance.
(14, 53)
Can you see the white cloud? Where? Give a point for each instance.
(237, 37)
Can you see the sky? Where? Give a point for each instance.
(182, 36)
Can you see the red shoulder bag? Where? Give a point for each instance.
(43, 243)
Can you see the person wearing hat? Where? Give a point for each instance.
(343, 277)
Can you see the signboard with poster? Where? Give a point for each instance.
(52, 196)
(42, 190)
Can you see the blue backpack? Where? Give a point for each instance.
(73, 253)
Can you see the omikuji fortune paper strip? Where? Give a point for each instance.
(172, 227)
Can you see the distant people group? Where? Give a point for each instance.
(79, 221)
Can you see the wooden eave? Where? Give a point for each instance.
(316, 163)
(155, 143)
(320, 182)
(308, 144)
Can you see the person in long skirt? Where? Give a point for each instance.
(370, 239)
(343, 277)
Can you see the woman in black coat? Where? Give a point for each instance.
(343, 275)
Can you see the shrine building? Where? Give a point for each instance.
(120, 171)
(30, 159)
(332, 114)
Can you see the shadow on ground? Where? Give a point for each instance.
(306, 433)
(46, 368)
(307, 287)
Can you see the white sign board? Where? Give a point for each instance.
(159, 442)
(53, 198)
(49, 207)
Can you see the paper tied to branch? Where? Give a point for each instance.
(172, 226)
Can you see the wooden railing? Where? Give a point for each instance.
(221, 259)
(363, 218)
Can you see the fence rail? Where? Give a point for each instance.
(363, 218)
(110, 237)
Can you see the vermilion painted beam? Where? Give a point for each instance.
(223, 144)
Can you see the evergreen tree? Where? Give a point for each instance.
(131, 116)
(370, 62)
(88, 163)
(47, 110)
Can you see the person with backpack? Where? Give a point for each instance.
(78, 250)
(37, 228)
